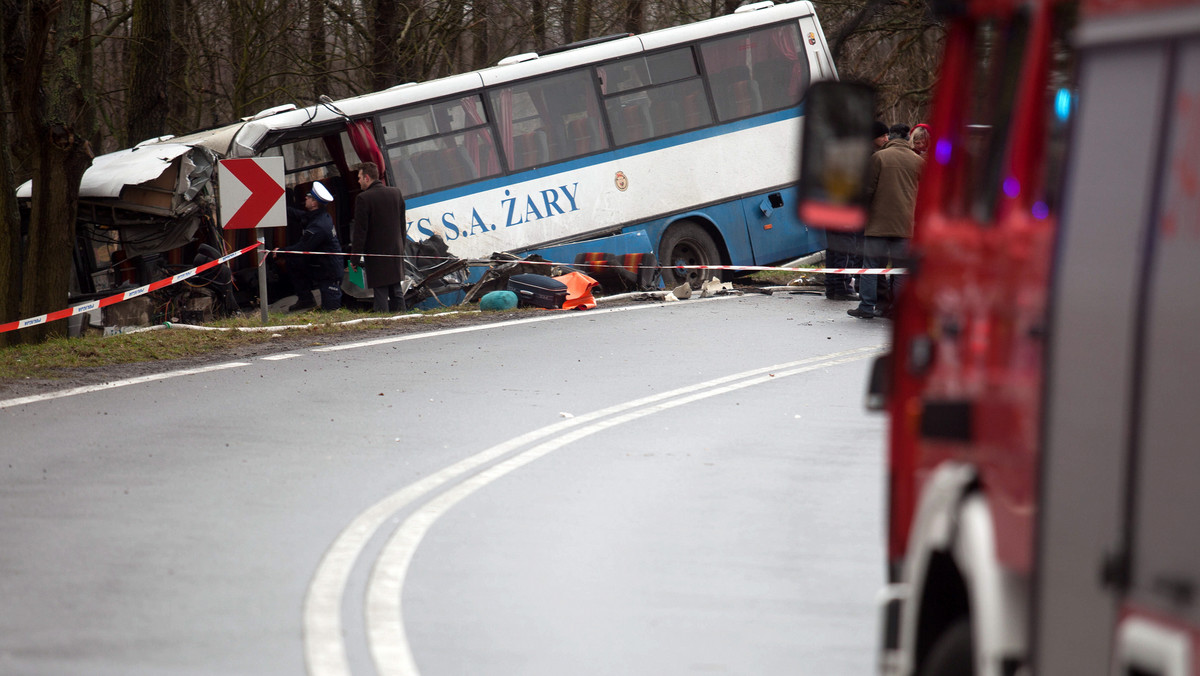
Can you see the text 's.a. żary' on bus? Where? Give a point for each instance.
(681, 143)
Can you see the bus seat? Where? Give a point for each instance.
(747, 100)
(636, 272)
(636, 122)
(666, 116)
(583, 135)
(695, 111)
(455, 165)
(530, 149)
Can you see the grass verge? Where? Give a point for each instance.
(47, 360)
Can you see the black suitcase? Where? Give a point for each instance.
(538, 291)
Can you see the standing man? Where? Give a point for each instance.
(379, 229)
(845, 249)
(325, 272)
(892, 188)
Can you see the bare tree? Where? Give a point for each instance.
(149, 70)
(47, 64)
(635, 16)
(10, 220)
(480, 21)
(894, 45)
(318, 49)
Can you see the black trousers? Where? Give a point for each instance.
(305, 276)
(842, 250)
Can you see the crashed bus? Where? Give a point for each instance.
(679, 143)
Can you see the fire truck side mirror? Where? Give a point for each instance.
(835, 155)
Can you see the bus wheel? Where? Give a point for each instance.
(688, 244)
(952, 654)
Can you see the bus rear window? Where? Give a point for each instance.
(756, 72)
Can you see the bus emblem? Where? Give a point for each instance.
(812, 38)
(622, 182)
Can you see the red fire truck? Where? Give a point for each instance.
(1044, 382)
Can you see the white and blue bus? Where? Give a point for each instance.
(681, 142)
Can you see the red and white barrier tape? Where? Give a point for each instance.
(585, 266)
(117, 298)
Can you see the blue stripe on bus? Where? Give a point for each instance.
(606, 156)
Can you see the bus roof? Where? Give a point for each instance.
(243, 138)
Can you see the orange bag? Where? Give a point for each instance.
(579, 291)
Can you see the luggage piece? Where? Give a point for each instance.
(538, 291)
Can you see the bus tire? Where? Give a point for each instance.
(688, 244)
(952, 654)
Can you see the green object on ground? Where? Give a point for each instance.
(498, 300)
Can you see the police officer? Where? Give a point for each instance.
(307, 271)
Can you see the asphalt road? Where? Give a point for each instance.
(685, 488)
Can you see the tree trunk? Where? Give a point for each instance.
(539, 24)
(385, 52)
(479, 34)
(583, 19)
(59, 162)
(179, 93)
(568, 21)
(53, 106)
(318, 53)
(10, 218)
(635, 16)
(149, 70)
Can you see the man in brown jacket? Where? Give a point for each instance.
(379, 230)
(893, 192)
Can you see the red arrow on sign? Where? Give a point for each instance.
(264, 193)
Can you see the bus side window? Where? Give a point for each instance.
(434, 146)
(655, 95)
(410, 183)
(534, 119)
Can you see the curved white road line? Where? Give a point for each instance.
(385, 620)
(566, 314)
(325, 649)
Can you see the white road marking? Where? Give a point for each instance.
(117, 383)
(325, 649)
(565, 314)
(6, 403)
(278, 357)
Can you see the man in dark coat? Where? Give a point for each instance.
(325, 272)
(379, 231)
(892, 187)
